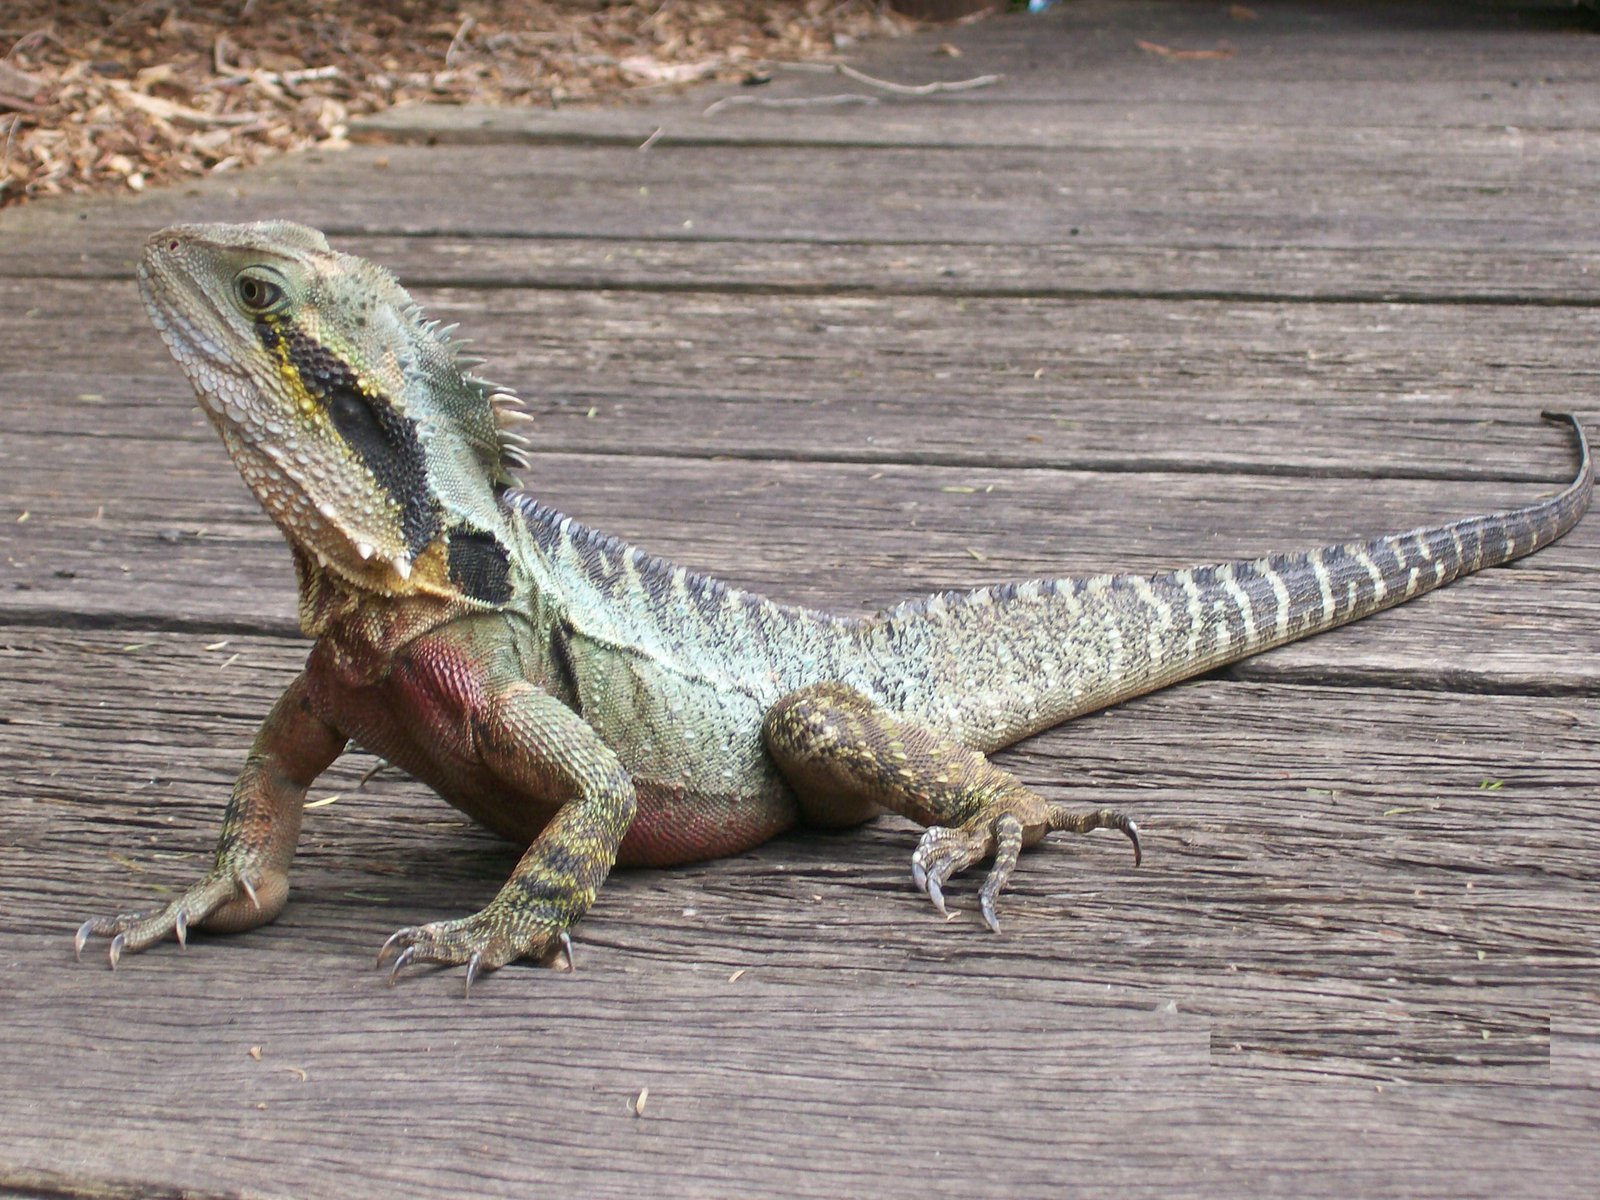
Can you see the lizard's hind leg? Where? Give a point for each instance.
(843, 753)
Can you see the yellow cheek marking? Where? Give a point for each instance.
(304, 400)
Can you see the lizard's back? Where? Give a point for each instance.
(677, 670)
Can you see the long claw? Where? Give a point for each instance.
(132, 932)
(480, 942)
(986, 903)
(400, 962)
(936, 894)
(565, 942)
(383, 950)
(1132, 831)
(1008, 833)
(1106, 818)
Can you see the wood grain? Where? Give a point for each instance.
(1121, 311)
(1365, 390)
(870, 536)
(1367, 910)
(1419, 192)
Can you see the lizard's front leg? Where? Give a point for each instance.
(249, 882)
(843, 754)
(537, 746)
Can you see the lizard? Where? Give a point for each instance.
(602, 706)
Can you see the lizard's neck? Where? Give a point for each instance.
(374, 623)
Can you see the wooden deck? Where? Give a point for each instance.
(1122, 310)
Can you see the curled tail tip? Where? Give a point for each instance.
(1571, 421)
(1585, 469)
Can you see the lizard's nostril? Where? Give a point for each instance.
(172, 246)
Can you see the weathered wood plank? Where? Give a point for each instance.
(1274, 783)
(188, 546)
(1090, 44)
(1373, 390)
(1326, 894)
(865, 1071)
(1323, 117)
(1338, 900)
(1069, 269)
(1428, 195)
(1424, 66)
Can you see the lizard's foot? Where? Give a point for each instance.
(944, 850)
(486, 940)
(844, 753)
(225, 901)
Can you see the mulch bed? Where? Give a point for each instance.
(97, 95)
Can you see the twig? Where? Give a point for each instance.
(1223, 50)
(5, 160)
(888, 85)
(460, 38)
(169, 110)
(797, 102)
(28, 41)
(653, 138)
(219, 56)
(270, 79)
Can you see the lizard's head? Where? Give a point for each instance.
(350, 417)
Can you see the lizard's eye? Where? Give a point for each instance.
(257, 295)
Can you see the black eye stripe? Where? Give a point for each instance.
(385, 441)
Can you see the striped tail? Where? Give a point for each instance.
(1019, 658)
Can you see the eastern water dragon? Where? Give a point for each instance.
(600, 705)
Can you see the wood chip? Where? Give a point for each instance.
(1223, 50)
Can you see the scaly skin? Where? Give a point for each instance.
(600, 705)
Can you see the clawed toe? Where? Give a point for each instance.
(935, 893)
(1008, 848)
(482, 942)
(81, 938)
(1070, 821)
(944, 850)
(401, 961)
(940, 854)
(214, 899)
(393, 940)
